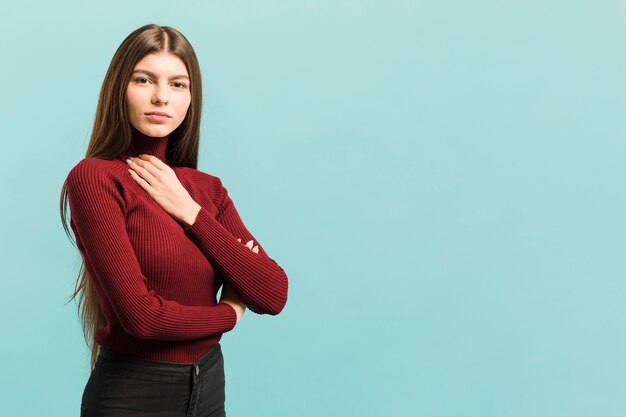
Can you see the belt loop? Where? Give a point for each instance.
(195, 371)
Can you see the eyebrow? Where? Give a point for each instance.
(153, 75)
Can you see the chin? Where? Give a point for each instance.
(155, 131)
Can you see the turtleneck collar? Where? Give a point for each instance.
(142, 144)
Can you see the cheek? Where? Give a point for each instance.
(182, 105)
(186, 105)
(133, 100)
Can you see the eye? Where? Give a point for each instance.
(180, 85)
(141, 80)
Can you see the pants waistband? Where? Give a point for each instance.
(155, 370)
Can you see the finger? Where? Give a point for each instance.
(255, 249)
(139, 167)
(156, 162)
(249, 244)
(143, 183)
(148, 165)
(239, 239)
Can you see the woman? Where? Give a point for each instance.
(158, 238)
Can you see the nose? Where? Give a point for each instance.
(161, 94)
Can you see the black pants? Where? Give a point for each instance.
(122, 385)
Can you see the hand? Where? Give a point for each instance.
(229, 297)
(161, 183)
(249, 245)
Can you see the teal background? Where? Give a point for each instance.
(443, 182)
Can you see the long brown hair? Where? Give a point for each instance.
(111, 137)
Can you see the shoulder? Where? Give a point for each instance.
(201, 176)
(208, 183)
(99, 178)
(93, 167)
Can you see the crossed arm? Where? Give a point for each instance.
(259, 282)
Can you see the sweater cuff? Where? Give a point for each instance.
(202, 217)
(232, 315)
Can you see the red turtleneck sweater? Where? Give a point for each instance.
(156, 280)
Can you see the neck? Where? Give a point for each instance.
(143, 144)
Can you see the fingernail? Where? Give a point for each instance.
(128, 160)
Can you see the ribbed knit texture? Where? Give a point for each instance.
(156, 280)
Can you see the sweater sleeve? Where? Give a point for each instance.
(257, 279)
(97, 210)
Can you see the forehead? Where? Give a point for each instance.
(162, 63)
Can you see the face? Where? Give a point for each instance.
(158, 94)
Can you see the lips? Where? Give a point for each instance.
(157, 113)
(158, 117)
